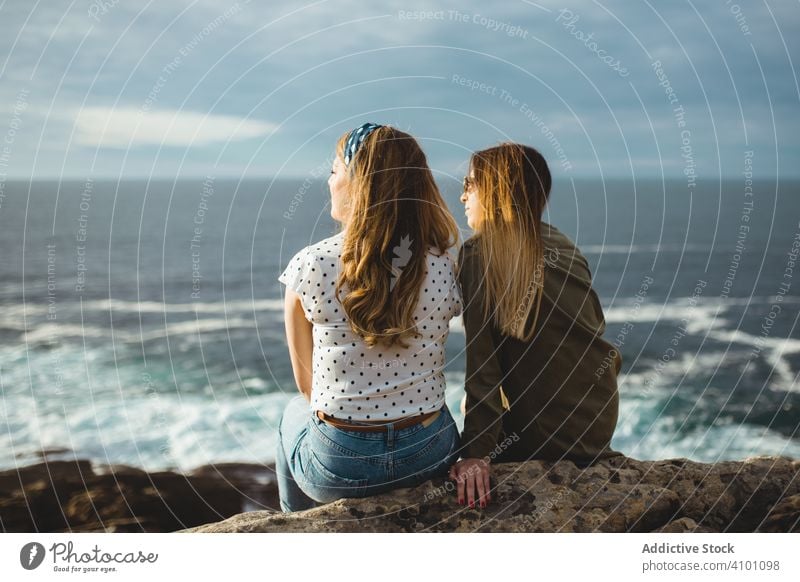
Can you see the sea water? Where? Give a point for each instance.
(141, 321)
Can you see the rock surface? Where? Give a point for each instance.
(75, 496)
(617, 495)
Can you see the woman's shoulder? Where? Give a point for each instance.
(468, 252)
(327, 248)
(330, 245)
(321, 256)
(553, 237)
(561, 252)
(437, 256)
(471, 242)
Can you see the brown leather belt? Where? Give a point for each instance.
(379, 427)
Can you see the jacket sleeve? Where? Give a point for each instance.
(484, 375)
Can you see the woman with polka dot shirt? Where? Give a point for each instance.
(367, 316)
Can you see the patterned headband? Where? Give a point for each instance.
(355, 139)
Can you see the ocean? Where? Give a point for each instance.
(141, 321)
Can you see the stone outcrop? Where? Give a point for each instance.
(75, 496)
(617, 495)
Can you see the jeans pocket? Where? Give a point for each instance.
(324, 485)
(434, 456)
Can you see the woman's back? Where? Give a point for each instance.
(367, 313)
(354, 381)
(561, 385)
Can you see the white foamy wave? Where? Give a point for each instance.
(772, 349)
(152, 433)
(52, 332)
(700, 317)
(15, 315)
(12, 315)
(670, 375)
(783, 345)
(707, 318)
(194, 307)
(666, 377)
(199, 326)
(644, 432)
(704, 311)
(32, 316)
(652, 248)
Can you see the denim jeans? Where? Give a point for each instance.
(319, 463)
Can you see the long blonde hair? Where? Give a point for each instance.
(395, 214)
(513, 185)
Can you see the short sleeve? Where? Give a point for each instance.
(301, 276)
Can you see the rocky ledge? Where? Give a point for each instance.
(617, 495)
(77, 496)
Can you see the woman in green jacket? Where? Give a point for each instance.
(541, 383)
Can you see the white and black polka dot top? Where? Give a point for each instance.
(353, 381)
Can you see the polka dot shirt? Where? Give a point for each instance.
(352, 381)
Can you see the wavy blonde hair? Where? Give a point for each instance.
(395, 214)
(513, 185)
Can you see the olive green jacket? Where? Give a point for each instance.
(561, 386)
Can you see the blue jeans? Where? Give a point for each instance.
(319, 463)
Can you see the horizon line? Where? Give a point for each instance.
(228, 177)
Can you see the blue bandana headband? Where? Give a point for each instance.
(355, 139)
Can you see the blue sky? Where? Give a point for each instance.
(109, 88)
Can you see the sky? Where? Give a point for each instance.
(122, 89)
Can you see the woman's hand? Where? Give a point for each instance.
(472, 475)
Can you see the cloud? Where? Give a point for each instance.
(123, 127)
(315, 69)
